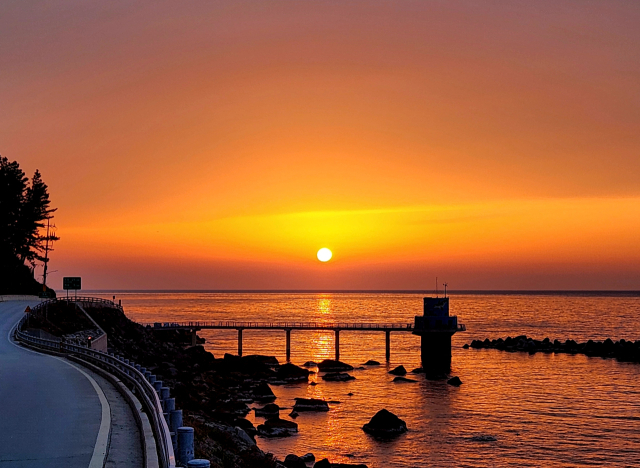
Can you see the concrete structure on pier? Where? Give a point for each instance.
(436, 327)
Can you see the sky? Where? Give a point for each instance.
(219, 145)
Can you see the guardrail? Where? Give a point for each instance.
(83, 299)
(284, 325)
(126, 372)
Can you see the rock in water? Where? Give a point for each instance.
(329, 365)
(324, 463)
(403, 379)
(310, 404)
(337, 377)
(262, 392)
(294, 461)
(308, 458)
(455, 381)
(276, 427)
(291, 373)
(310, 364)
(385, 424)
(269, 411)
(371, 362)
(400, 370)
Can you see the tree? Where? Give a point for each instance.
(24, 212)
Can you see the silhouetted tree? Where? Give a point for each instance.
(24, 211)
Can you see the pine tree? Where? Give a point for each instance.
(24, 210)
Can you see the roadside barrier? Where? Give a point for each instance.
(136, 378)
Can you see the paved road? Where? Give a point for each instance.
(52, 414)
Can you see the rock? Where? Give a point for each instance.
(371, 362)
(350, 394)
(244, 437)
(329, 365)
(266, 360)
(246, 426)
(291, 373)
(308, 458)
(310, 404)
(465, 346)
(385, 424)
(324, 463)
(276, 427)
(337, 377)
(310, 364)
(455, 381)
(313, 384)
(294, 461)
(400, 379)
(262, 392)
(400, 370)
(268, 411)
(418, 370)
(293, 415)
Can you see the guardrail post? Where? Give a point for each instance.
(168, 405)
(164, 393)
(185, 445)
(175, 421)
(152, 379)
(157, 385)
(199, 463)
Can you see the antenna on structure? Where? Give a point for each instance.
(445, 289)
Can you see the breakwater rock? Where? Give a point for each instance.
(385, 424)
(622, 350)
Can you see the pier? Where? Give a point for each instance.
(287, 327)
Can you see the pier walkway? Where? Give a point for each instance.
(53, 412)
(287, 327)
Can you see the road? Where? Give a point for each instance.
(52, 413)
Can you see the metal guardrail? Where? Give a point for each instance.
(83, 299)
(283, 325)
(125, 372)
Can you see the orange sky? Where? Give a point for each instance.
(220, 145)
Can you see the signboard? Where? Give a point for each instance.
(71, 282)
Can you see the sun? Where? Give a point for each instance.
(324, 254)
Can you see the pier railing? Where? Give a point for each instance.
(126, 372)
(284, 325)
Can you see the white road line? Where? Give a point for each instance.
(102, 440)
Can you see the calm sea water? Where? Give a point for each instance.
(543, 410)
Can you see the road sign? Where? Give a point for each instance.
(27, 310)
(71, 282)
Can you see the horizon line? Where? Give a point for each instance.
(377, 291)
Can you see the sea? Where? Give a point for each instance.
(513, 409)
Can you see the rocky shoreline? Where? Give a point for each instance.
(215, 392)
(622, 350)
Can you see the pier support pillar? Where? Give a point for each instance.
(388, 345)
(288, 332)
(337, 345)
(436, 352)
(193, 337)
(239, 341)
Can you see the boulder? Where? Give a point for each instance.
(269, 410)
(371, 362)
(310, 364)
(291, 373)
(293, 415)
(310, 404)
(455, 381)
(400, 379)
(262, 392)
(308, 458)
(294, 461)
(337, 377)
(385, 424)
(400, 370)
(418, 370)
(324, 463)
(246, 426)
(329, 365)
(276, 427)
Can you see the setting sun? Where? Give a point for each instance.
(324, 254)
